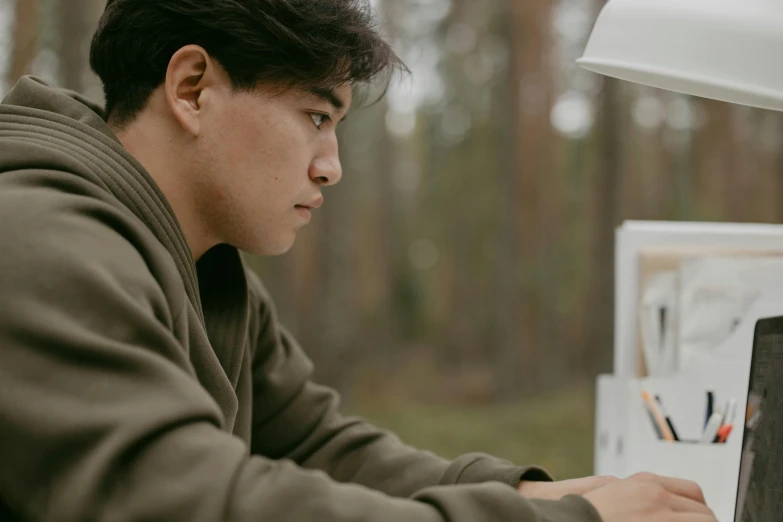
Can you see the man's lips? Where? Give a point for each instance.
(303, 211)
(313, 203)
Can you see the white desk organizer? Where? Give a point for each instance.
(625, 441)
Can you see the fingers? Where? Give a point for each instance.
(683, 488)
(680, 504)
(650, 497)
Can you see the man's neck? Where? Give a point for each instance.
(150, 141)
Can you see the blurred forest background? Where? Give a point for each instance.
(457, 286)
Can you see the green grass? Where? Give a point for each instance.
(555, 432)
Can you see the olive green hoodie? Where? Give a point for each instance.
(137, 385)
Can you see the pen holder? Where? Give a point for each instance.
(713, 466)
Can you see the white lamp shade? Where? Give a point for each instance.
(729, 50)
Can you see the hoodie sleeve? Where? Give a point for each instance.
(299, 420)
(103, 417)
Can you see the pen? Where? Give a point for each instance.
(728, 422)
(724, 432)
(667, 417)
(710, 400)
(711, 431)
(666, 433)
(731, 411)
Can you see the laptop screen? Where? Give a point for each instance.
(760, 491)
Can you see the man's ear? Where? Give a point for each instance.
(190, 71)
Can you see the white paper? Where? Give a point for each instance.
(715, 296)
(634, 236)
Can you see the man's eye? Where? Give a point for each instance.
(319, 119)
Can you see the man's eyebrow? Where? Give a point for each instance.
(328, 95)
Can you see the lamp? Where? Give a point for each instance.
(728, 50)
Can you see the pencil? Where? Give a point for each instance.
(659, 420)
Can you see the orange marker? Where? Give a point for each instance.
(724, 432)
(728, 423)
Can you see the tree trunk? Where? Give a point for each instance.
(713, 160)
(531, 92)
(25, 40)
(507, 359)
(599, 349)
(74, 34)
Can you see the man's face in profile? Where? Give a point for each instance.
(200, 92)
(263, 158)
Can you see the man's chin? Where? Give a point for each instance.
(272, 248)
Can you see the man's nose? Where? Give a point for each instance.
(326, 170)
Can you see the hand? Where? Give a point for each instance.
(557, 490)
(650, 498)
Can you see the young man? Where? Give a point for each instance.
(143, 373)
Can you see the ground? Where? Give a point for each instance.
(554, 431)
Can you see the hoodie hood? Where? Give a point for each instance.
(44, 127)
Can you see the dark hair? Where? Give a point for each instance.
(291, 43)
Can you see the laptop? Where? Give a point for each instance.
(760, 488)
